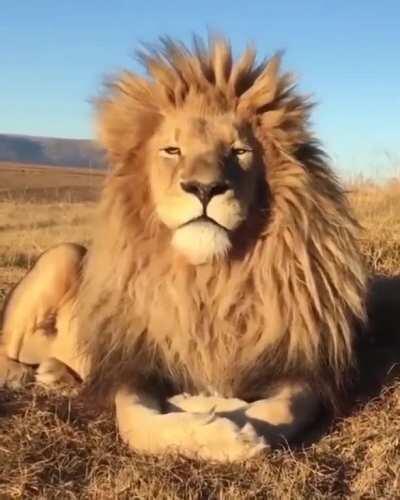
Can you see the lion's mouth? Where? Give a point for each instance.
(205, 218)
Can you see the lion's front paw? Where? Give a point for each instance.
(14, 374)
(210, 437)
(222, 440)
(54, 373)
(196, 435)
(202, 403)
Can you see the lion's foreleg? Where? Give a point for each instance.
(287, 412)
(143, 427)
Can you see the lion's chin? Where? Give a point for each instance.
(201, 241)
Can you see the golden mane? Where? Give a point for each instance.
(285, 308)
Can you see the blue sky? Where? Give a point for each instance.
(53, 56)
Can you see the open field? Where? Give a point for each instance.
(55, 447)
(40, 184)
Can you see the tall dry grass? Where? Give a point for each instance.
(377, 207)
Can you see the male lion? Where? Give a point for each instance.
(217, 303)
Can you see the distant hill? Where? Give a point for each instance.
(50, 151)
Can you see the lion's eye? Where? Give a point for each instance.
(171, 151)
(240, 151)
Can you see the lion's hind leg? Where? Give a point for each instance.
(29, 325)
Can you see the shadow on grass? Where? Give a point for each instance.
(379, 349)
(378, 356)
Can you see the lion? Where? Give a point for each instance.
(217, 305)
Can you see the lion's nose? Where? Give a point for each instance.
(204, 192)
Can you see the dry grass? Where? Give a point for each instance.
(378, 209)
(54, 447)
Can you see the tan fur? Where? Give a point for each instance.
(263, 294)
(33, 316)
(284, 301)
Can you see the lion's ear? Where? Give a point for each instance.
(264, 89)
(126, 118)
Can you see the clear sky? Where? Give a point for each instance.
(54, 54)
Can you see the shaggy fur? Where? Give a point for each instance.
(282, 305)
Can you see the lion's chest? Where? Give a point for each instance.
(207, 340)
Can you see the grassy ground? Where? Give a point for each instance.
(55, 447)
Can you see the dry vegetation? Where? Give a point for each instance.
(55, 447)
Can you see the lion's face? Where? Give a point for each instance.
(204, 172)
